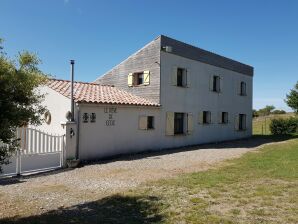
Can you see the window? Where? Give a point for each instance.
(178, 123)
(150, 122)
(138, 79)
(243, 89)
(146, 122)
(242, 121)
(206, 117)
(216, 84)
(224, 117)
(180, 77)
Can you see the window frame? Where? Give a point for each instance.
(182, 81)
(136, 78)
(242, 122)
(224, 117)
(179, 130)
(206, 117)
(216, 83)
(243, 90)
(150, 127)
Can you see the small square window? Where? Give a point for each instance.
(206, 117)
(150, 122)
(224, 118)
(139, 78)
(85, 117)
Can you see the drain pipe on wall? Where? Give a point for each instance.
(71, 89)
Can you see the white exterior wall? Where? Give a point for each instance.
(198, 97)
(57, 105)
(97, 140)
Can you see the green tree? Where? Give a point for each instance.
(292, 98)
(266, 110)
(20, 102)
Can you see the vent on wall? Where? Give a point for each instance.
(168, 49)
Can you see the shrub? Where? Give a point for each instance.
(280, 126)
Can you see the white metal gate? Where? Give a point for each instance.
(39, 151)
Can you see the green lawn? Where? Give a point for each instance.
(259, 187)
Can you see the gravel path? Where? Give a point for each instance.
(37, 194)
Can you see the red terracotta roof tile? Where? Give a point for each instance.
(96, 93)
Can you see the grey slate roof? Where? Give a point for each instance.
(198, 54)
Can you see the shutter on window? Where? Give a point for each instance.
(221, 84)
(174, 76)
(170, 123)
(219, 117)
(200, 117)
(187, 77)
(146, 78)
(143, 122)
(238, 89)
(244, 122)
(209, 117)
(211, 83)
(189, 123)
(237, 122)
(130, 79)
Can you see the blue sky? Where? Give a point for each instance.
(100, 34)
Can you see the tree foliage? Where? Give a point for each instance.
(266, 110)
(292, 98)
(20, 102)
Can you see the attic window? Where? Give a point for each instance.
(138, 79)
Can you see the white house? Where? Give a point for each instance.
(167, 94)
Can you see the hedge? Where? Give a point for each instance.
(284, 126)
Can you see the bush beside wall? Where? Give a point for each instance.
(280, 126)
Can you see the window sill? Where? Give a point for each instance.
(139, 85)
(218, 92)
(183, 86)
(180, 134)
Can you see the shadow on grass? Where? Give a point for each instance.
(113, 209)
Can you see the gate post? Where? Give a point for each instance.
(70, 141)
(18, 162)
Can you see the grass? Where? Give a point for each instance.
(261, 124)
(259, 187)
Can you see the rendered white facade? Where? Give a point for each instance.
(101, 139)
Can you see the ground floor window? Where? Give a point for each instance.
(150, 122)
(178, 123)
(146, 122)
(242, 121)
(206, 117)
(224, 117)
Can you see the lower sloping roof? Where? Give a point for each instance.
(85, 92)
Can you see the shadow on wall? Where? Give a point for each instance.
(114, 209)
(255, 141)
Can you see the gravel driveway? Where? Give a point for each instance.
(37, 194)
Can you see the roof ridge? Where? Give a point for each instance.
(89, 83)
